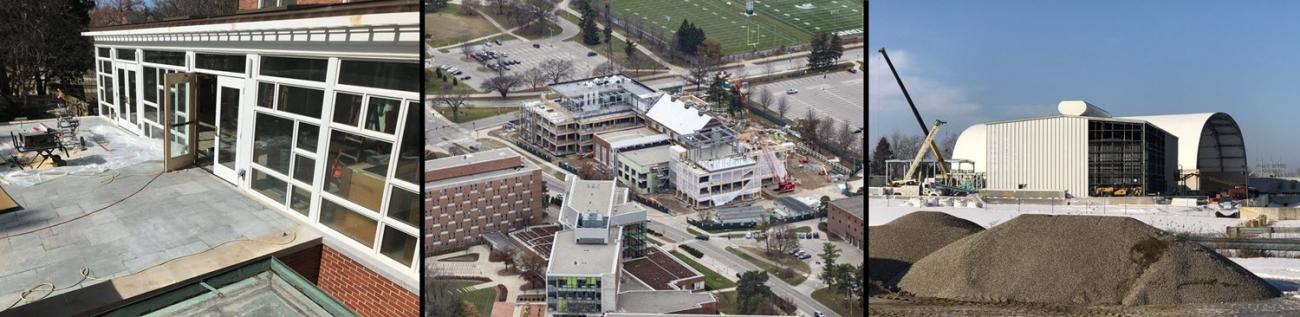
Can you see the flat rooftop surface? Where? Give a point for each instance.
(661, 302)
(649, 156)
(525, 167)
(591, 197)
(537, 238)
(180, 213)
(264, 288)
(854, 205)
(568, 257)
(578, 87)
(467, 159)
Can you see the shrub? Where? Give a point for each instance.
(693, 251)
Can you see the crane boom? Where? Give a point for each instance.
(929, 140)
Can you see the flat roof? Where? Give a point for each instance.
(63, 230)
(291, 12)
(568, 257)
(662, 302)
(632, 137)
(649, 156)
(587, 196)
(853, 205)
(263, 288)
(467, 159)
(579, 87)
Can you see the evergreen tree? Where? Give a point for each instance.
(834, 49)
(689, 38)
(435, 5)
(609, 32)
(590, 35)
(878, 157)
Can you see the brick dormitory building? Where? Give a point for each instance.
(844, 219)
(473, 194)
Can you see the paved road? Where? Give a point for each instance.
(801, 299)
(836, 95)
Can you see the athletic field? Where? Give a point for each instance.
(776, 23)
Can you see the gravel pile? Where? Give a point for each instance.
(893, 247)
(1087, 260)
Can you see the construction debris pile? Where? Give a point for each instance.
(923, 233)
(1079, 260)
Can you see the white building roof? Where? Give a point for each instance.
(677, 116)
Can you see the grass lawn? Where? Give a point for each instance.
(771, 269)
(693, 231)
(436, 85)
(482, 299)
(836, 302)
(447, 26)
(472, 257)
(790, 261)
(804, 229)
(642, 61)
(549, 30)
(712, 280)
(727, 303)
(777, 23)
(468, 114)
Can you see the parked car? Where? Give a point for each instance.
(805, 256)
(444, 66)
(791, 91)
(498, 42)
(458, 73)
(535, 45)
(818, 314)
(590, 54)
(704, 237)
(853, 70)
(464, 78)
(795, 251)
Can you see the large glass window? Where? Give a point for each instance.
(303, 169)
(398, 246)
(404, 206)
(387, 75)
(410, 151)
(104, 52)
(272, 142)
(303, 101)
(165, 57)
(269, 186)
(300, 201)
(229, 63)
(307, 136)
(382, 115)
(356, 167)
(299, 68)
(354, 225)
(151, 86)
(266, 95)
(347, 108)
(126, 54)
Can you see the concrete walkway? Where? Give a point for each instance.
(480, 268)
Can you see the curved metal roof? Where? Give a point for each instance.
(1209, 142)
(971, 145)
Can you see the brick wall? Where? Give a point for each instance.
(364, 291)
(844, 225)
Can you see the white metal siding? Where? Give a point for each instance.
(1044, 154)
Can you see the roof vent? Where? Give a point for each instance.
(1081, 108)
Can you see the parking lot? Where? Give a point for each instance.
(527, 55)
(839, 95)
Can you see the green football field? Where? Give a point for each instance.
(776, 23)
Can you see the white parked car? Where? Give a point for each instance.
(791, 91)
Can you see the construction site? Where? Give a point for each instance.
(1081, 212)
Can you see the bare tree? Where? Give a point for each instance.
(501, 84)
(534, 77)
(808, 127)
(844, 136)
(769, 68)
(466, 48)
(781, 239)
(825, 131)
(117, 12)
(946, 143)
(782, 106)
(193, 8)
(441, 297)
(904, 146)
(451, 99)
(699, 71)
(531, 268)
(605, 69)
(557, 69)
(764, 98)
(535, 13)
(467, 7)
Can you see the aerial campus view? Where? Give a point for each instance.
(1082, 159)
(630, 158)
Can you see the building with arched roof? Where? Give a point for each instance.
(1085, 148)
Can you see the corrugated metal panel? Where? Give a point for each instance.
(1043, 154)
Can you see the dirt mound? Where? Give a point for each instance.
(1090, 260)
(893, 247)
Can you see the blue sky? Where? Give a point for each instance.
(973, 61)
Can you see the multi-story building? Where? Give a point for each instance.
(311, 107)
(844, 219)
(473, 194)
(600, 230)
(584, 107)
(638, 158)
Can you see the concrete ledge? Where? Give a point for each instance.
(105, 296)
(1272, 213)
